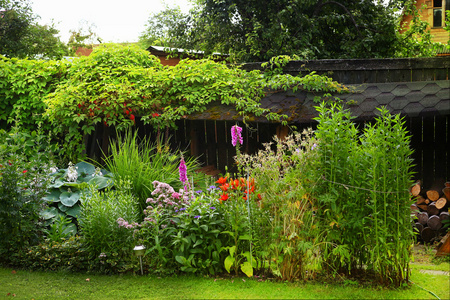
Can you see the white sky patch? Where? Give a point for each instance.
(113, 21)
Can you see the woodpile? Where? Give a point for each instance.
(430, 211)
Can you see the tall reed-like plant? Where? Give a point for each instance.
(363, 201)
(143, 162)
(338, 206)
(386, 145)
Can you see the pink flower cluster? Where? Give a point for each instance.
(165, 196)
(125, 224)
(236, 135)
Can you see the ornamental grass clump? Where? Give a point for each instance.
(143, 162)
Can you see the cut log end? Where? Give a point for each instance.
(440, 203)
(433, 195)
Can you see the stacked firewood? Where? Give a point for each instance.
(430, 211)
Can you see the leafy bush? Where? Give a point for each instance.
(284, 231)
(23, 182)
(71, 255)
(363, 202)
(98, 220)
(182, 231)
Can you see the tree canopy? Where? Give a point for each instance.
(256, 30)
(21, 36)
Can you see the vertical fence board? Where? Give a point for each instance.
(415, 131)
(428, 154)
(211, 143)
(440, 149)
(222, 139)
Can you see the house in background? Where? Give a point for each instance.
(433, 12)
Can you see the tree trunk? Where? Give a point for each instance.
(446, 192)
(420, 200)
(434, 223)
(444, 216)
(419, 227)
(414, 210)
(423, 207)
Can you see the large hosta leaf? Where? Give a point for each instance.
(84, 168)
(247, 268)
(69, 199)
(49, 213)
(74, 211)
(101, 182)
(53, 196)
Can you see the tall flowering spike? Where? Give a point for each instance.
(183, 171)
(236, 135)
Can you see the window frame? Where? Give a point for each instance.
(445, 6)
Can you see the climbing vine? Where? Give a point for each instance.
(117, 84)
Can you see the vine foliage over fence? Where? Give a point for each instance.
(116, 84)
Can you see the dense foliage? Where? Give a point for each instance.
(21, 36)
(116, 84)
(259, 30)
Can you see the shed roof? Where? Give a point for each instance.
(418, 98)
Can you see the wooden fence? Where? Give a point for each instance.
(210, 141)
(209, 138)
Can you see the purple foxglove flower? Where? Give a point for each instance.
(236, 135)
(183, 171)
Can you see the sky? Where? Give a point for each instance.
(112, 21)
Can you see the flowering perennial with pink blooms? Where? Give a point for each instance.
(183, 174)
(236, 135)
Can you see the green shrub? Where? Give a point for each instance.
(362, 194)
(23, 182)
(71, 255)
(283, 225)
(98, 220)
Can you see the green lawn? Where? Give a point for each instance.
(63, 285)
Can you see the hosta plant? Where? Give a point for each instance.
(65, 190)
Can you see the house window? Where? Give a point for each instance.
(439, 7)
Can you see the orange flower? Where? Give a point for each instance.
(250, 190)
(224, 187)
(222, 180)
(234, 184)
(224, 197)
(259, 196)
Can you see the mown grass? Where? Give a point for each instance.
(21, 284)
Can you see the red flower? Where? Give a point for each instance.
(79, 105)
(127, 112)
(124, 104)
(132, 117)
(222, 180)
(154, 115)
(224, 197)
(24, 171)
